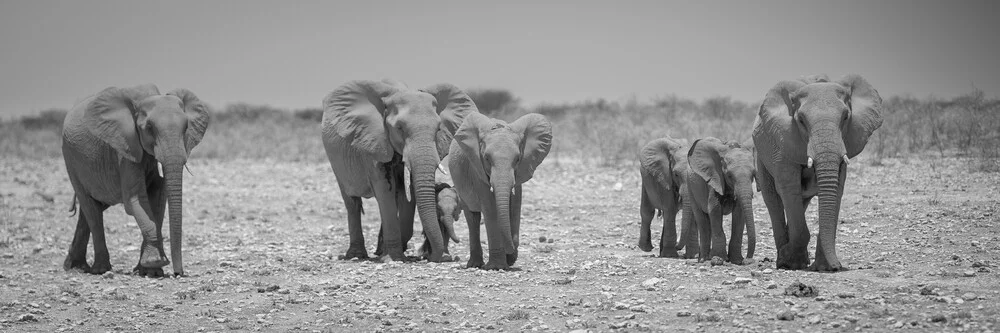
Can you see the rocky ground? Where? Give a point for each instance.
(920, 237)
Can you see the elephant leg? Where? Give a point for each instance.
(155, 190)
(472, 219)
(646, 213)
(93, 211)
(407, 209)
(668, 237)
(704, 234)
(77, 257)
(689, 230)
(357, 245)
(515, 223)
(718, 234)
(775, 209)
(392, 245)
(738, 227)
(794, 254)
(494, 240)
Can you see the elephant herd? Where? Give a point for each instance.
(386, 140)
(804, 136)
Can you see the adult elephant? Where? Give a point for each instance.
(663, 168)
(375, 133)
(490, 159)
(114, 144)
(805, 133)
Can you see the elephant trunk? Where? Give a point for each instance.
(173, 175)
(502, 187)
(448, 224)
(828, 170)
(423, 161)
(744, 195)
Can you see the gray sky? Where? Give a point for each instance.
(289, 54)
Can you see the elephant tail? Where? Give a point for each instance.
(72, 206)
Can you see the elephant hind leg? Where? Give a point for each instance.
(77, 256)
(93, 211)
(354, 210)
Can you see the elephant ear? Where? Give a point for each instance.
(468, 139)
(536, 141)
(197, 115)
(453, 106)
(866, 113)
(657, 158)
(774, 121)
(705, 160)
(355, 112)
(111, 116)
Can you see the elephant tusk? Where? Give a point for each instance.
(159, 168)
(491, 188)
(441, 167)
(406, 183)
(846, 160)
(512, 191)
(809, 162)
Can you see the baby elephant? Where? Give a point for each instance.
(663, 167)
(490, 159)
(448, 207)
(720, 182)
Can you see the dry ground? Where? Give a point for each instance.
(920, 237)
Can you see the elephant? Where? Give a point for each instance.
(720, 183)
(663, 168)
(129, 146)
(490, 160)
(449, 206)
(374, 133)
(805, 133)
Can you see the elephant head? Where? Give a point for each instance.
(139, 120)
(666, 161)
(502, 157)
(729, 169)
(383, 119)
(820, 125)
(449, 208)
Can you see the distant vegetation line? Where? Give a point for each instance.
(598, 132)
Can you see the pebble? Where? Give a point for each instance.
(27, 317)
(743, 280)
(108, 275)
(969, 296)
(651, 282)
(683, 313)
(815, 320)
(969, 273)
(786, 315)
(939, 318)
(772, 285)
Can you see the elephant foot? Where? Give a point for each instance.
(354, 252)
(444, 257)
(823, 266)
(717, 261)
(474, 263)
(645, 245)
(76, 264)
(736, 260)
(150, 259)
(746, 261)
(792, 260)
(668, 252)
(139, 270)
(511, 259)
(690, 255)
(496, 265)
(100, 267)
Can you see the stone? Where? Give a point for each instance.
(786, 315)
(651, 282)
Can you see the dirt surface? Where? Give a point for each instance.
(919, 236)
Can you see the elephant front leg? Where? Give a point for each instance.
(495, 241)
(794, 254)
(151, 255)
(472, 219)
(668, 237)
(718, 234)
(357, 245)
(646, 213)
(157, 205)
(775, 208)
